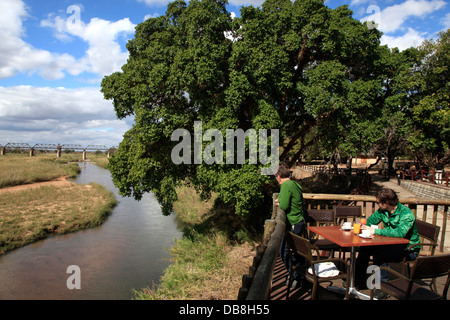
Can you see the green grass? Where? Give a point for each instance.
(32, 214)
(20, 168)
(205, 263)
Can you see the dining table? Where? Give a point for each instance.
(348, 239)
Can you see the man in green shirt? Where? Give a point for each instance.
(398, 221)
(290, 200)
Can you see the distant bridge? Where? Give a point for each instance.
(55, 147)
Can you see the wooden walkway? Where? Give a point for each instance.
(279, 288)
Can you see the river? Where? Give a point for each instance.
(129, 251)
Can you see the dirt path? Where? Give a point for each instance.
(58, 182)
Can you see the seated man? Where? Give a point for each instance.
(398, 221)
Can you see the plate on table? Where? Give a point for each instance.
(365, 237)
(351, 228)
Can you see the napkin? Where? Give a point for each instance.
(325, 269)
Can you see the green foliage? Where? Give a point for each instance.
(300, 67)
(423, 91)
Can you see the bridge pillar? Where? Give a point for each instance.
(58, 151)
(84, 154)
(31, 152)
(2, 151)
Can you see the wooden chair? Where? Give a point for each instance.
(345, 213)
(303, 247)
(425, 267)
(428, 234)
(321, 218)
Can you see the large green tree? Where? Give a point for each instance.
(300, 67)
(427, 99)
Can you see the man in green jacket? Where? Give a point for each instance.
(290, 200)
(398, 221)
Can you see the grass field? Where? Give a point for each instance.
(30, 214)
(205, 263)
(18, 169)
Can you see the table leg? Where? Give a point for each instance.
(352, 292)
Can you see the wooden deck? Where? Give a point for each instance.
(279, 288)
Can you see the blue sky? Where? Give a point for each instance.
(54, 53)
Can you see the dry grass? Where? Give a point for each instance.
(18, 169)
(32, 214)
(206, 265)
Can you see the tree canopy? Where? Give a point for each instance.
(313, 73)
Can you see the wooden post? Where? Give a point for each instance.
(269, 226)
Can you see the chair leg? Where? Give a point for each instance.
(433, 284)
(289, 283)
(314, 291)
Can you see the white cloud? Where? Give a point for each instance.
(358, 2)
(446, 21)
(393, 18)
(255, 3)
(16, 56)
(411, 38)
(104, 55)
(58, 115)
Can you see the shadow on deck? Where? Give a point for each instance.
(279, 288)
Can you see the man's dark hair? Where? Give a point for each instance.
(283, 171)
(387, 196)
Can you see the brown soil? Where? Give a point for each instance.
(58, 182)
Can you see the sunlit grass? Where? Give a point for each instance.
(32, 214)
(17, 169)
(205, 265)
(20, 168)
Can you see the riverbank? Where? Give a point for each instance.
(37, 201)
(205, 264)
(21, 169)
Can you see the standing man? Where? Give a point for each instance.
(290, 200)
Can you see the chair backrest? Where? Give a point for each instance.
(427, 230)
(299, 244)
(430, 232)
(343, 213)
(320, 217)
(426, 267)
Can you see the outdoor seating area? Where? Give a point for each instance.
(268, 278)
(325, 238)
(279, 289)
(426, 278)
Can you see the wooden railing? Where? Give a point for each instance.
(434, 211)
(256, 285)
(433, 176)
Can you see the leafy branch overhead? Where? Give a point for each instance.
(312, 72)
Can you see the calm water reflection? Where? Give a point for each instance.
(128, 251)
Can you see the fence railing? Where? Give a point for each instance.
(256, 285)
(435, 176)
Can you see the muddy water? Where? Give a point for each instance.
(128, 251)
